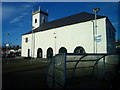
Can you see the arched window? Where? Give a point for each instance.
(79, 50)
(39, 53)
(35, 20)
(43, 20)
(49, 52)
(62, 50)
(26, 40)
(28, 53)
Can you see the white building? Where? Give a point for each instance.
(72, 34)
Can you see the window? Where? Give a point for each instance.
(43, 19)
(79, 49)
(26, 40)
(62, 50)
(110, 32)
(113, 35)
(39, 53)
(35, 20)
(49, 52)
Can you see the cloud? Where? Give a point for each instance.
(19, 18)
(16, 19)
(8, 11)
(0, 13)
(115, 23)
(25, 9)
(27, 5)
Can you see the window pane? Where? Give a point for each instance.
(35, 20)
(26, 40)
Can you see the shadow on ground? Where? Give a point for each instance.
(27, 73)
(24, 74)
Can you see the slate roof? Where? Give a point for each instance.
(77, 18)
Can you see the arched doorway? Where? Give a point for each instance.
(62, 50)
(39, 53)
(49, 53)
(79, 50)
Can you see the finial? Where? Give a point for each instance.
(39, 8)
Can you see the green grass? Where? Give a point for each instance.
(21, 73)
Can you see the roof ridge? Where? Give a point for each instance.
(68, 16)
(74, 15)
(68, 20)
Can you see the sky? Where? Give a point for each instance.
(17, 16)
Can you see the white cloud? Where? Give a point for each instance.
(24, 10)
(11, 9)
(0, 11)
(27, 5)
(115, 23)
(16, 19)
(8, 11)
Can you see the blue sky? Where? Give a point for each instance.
(17, 16)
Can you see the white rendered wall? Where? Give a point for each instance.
(36, 16)
(71, 36)
(26, 46)
(101, 30)
(39, 17)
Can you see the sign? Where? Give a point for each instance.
(98, 38)
(7, 45)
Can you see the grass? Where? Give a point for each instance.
(22, 73)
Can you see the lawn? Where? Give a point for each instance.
(24, 73)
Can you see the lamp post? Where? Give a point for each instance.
(95, 10)
(55, 41)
